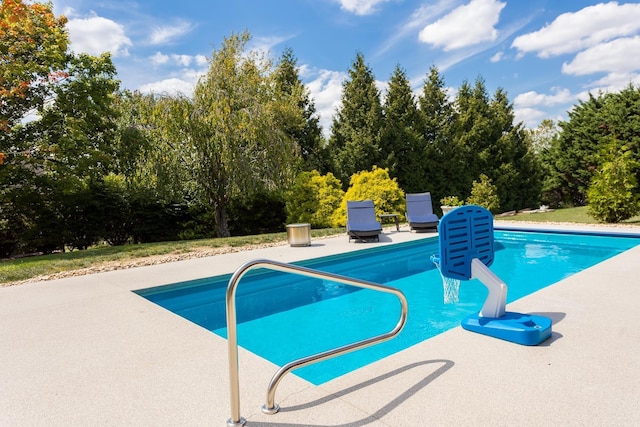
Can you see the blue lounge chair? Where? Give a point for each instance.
(361, 220)
(420, 212)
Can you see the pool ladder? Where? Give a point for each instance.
(270, 407)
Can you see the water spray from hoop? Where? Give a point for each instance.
(450, 287)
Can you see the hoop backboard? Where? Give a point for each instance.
(465, 233)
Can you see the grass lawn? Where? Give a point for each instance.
(572, 215)
(19, 269)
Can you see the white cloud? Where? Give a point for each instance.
(326, 92)
(361, 7)
(466, 25)
(170, 86)
(532, 98)
(305, 71)
(159, 58)
(184, 60)
(497, 57)
(96, 35)
(614, 82)
(263, 45)
(201, 60)
(529, 116)
(165, 34)
(573, 32)
(618, 56)
(183, 81)
(419, 18)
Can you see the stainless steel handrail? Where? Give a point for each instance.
(232, 337)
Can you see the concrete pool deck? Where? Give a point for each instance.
(86, 351)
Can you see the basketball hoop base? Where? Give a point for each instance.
(525, 329)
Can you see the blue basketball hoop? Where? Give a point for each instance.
(466, 252)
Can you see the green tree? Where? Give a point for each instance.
(231, 137)
(59, 154)
(401, 144)
(33, 45)
(307, 133)
(574, 157)
(511, 161)
(472, 133)
(355, 133)
(377, 185)
(76, 135)
(487, 141)
(543, 140)
(543, 136)
(443, 162)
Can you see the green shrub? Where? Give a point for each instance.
(259, 213)
(330, 196)
(313, 198)
(376, 185)
(485, 194)
(115, 210)
(613, 193)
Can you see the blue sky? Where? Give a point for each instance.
(547, 54)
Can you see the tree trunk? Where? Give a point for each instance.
(221, 218)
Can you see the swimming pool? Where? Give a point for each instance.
(282, 317)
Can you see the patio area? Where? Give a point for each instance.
(88, 351)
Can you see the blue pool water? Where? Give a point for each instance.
(283, 317)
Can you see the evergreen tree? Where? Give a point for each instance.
(487, 141)
(575, 153)
(443, 163)
(355, 133)
(574, 157)
(511, 161)
(307, 133)
(622, 112)
(401, 144)
(472, 133)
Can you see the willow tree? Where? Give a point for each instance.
(231, 135)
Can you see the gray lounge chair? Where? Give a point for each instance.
(361, 220)
(420, 212)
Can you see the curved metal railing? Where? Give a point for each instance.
(232, 337)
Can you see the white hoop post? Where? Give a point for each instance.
(495, 304)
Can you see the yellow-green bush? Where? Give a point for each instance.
(613, 194)
(313, 198)
(485, 194)
(376, 185)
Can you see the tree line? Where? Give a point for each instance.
(83, 161)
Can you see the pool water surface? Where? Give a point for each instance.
(282, 317)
